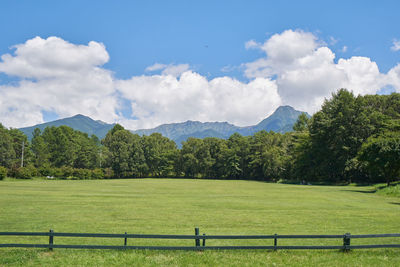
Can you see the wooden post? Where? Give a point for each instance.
(346, 242)
(197, 241)
(275, 242)
(51, 239)
(204, 241)
(126, 240)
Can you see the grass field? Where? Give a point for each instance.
(168, 206)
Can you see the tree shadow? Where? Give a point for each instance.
(394, 203)
(362, 191)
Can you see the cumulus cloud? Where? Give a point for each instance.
(59, 77)
(396, 45)
(393, 77)
(46, 58)
(306, 72)
(165, 98)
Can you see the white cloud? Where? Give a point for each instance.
(156, 66)
(164, 99)
(67, 79)
(171, 69)
(251, 44)
(344, 49)
(52, 57)
(230, 68)
(175, 70)
(306, 72)
(362, 75)
(393, 77)
(396, 45)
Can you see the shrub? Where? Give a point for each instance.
(393, 191)
(26, 172)
(46, 170)
(108, 173)
(3, 172)
(82, 174)
(97, 174)
(67, 172)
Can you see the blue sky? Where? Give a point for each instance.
(205, 38)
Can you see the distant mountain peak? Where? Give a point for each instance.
(284, 108)
(80, 116)
(77, 122)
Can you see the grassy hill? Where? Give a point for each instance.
(167, 206)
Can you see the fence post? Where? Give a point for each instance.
(346, 242)
(51, 239)
(275, 242)
(125, 240)
(197, 241)
(204, 241)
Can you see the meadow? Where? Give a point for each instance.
(177, 206)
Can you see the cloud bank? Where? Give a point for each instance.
(306, 71)
(298, 69)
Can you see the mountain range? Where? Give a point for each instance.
(281, 120)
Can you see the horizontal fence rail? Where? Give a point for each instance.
(346, 238)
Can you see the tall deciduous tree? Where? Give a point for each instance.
(39, 149)
(159, 152)
(7, 152)
(381, 155)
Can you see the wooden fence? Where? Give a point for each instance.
(345, 246)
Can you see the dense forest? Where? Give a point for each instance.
(351, 139)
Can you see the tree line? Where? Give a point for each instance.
(351, 139)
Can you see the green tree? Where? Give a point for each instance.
(217, 150)
(21, 148)
(159, 152)
(39, 149)
(237, 157)
(195, 157)
(381, 156)
(61, 145)
(337, 133)
(125, 153)
(3, 173)
(301, 125)
(7, 152)
(269, 155)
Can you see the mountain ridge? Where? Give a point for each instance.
(281, 120)
(77, 122)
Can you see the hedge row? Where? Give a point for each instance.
(70, 173)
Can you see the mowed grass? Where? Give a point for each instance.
(177, 206)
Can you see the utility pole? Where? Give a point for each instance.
(22, 154)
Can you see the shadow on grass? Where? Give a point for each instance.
(362, 191)
(394, 203)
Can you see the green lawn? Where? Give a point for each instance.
(176, 206)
